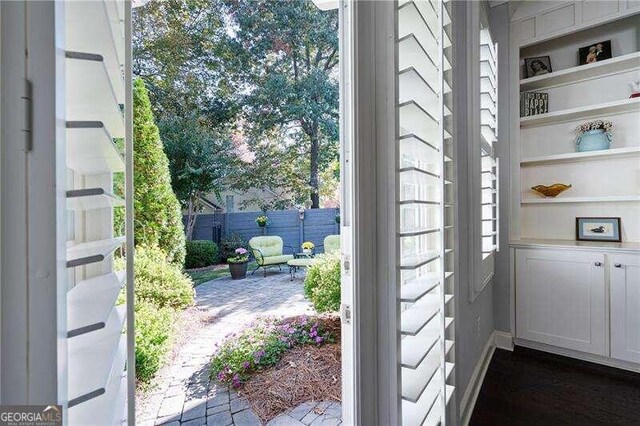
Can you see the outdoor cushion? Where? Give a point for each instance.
(276, 260)
(331, 243)
(302, 262)
(268, 246)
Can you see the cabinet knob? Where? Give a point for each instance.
(618, 265)
(598, 263)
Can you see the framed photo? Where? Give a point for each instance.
(534, 67)
(598, 229)
(595, 52)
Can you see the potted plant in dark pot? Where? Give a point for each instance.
(238, 263)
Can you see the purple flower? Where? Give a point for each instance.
(235, 380)
(245, 365)
(221, 376)
(241, 251)
(318, 340)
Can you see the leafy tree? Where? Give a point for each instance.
(199, 161)
(285, 57)
(158, 218)
(176, 52)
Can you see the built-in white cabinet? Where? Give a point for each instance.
(583, 299)
(625, 307)
(561, 299)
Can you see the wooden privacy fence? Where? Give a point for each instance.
(314, 227)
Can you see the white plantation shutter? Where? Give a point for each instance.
(488, 139)
(94, 95)
(425, 216)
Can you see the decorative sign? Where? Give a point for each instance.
(533, 103)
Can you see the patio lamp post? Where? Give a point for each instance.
(301, 225)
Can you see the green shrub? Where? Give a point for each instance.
(262, 344)
(322, 283)
(230, 243)
(154, 327)
(158, 281)
(201, 253)
(158, 216)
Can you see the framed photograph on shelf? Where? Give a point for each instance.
(539, 65)
(598, 229)
(595, 52)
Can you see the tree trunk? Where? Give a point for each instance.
(192, 215)
(313, 174)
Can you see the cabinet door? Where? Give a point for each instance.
(560, 299)
(625, 307)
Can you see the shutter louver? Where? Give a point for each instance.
(425, 216)
(95, 93)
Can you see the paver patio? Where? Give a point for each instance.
(182, 393)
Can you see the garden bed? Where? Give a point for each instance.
(284, 377)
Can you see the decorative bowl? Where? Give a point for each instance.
(551, 190)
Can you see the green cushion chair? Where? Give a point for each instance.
(269, 251)
(331, 243)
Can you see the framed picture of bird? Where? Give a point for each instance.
(598, 229)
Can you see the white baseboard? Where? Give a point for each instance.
(468, 402)
(503, 340)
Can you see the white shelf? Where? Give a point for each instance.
(96, 358)
(572, 114)
(583, 72)
(95, 27)
(89, 93)
(594, 199)
(93, 251)
(90, 149)
(92, 198)
(581, 156)
(91, 301)
(572, 245)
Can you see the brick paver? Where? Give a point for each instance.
(182, 393)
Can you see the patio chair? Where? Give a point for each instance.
(268, 251)
(331, 243)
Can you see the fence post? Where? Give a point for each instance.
(300, 230)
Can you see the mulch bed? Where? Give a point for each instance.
(305, 373)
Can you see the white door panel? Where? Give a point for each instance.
(625, 307)
(560, 299)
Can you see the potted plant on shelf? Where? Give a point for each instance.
(307, 248)
(238, 263)
(594, 135)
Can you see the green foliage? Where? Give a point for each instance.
(158, 281)
(285, 64)
(322, 283)
(201, 253)
(157, 211)
(154, 327)
(230, 243)
(261, 345)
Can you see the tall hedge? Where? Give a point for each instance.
(158, 217)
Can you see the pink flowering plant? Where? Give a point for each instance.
(261, 345)
(241, 256)
(605, 125)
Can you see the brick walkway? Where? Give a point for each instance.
(182, 393)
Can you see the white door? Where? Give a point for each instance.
(560, 299)
(625, 306)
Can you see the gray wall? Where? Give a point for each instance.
(317, 224)
(470, 339)
(499, 24)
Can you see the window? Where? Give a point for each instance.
(485, 242)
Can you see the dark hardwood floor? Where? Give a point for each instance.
(527, 387)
